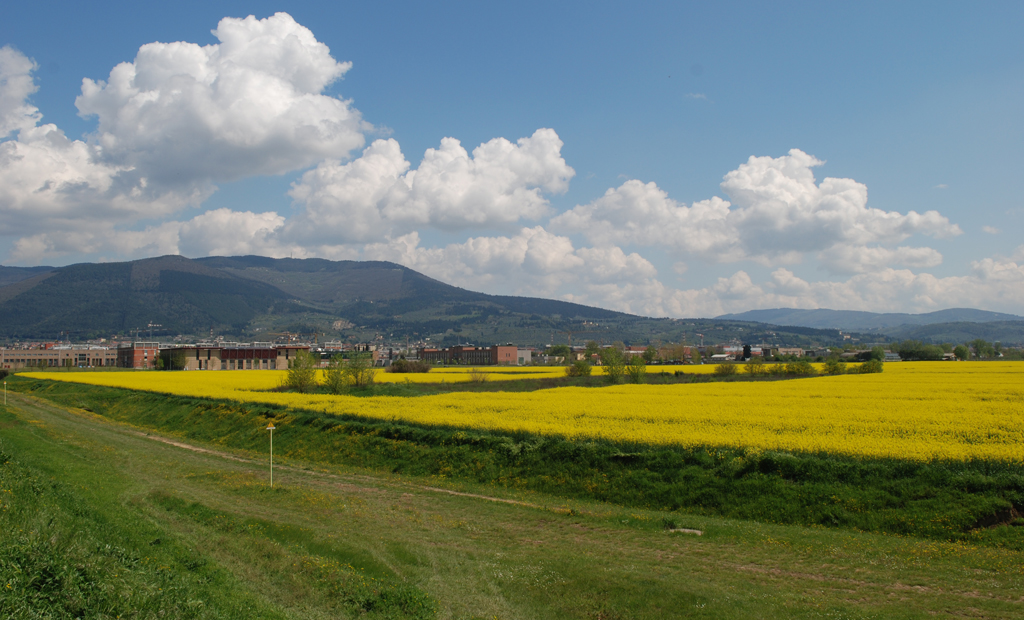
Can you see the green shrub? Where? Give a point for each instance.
(754, 367)
(726, 370)
(800, 368)
(636, 370)
(870, 366)
(404, 365)
(579, 368)
(834, 366)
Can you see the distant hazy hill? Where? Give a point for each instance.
(356, 285)
(1010, 333)
(257, 298)
(10, 275)
(88, 300)
(850, 320)
(249, 294)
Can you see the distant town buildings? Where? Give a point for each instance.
(138, 355)
(230, 356)
(222, 355)
(52, 355)
(151, 356)
(498, 355)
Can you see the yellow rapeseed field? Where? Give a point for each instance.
(918, 410)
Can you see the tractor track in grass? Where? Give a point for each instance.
(341, 478)
(300, 470)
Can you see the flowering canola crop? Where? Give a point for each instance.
(917, 410)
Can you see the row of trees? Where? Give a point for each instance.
(616, 367)
(668, 353)
(976, 349)
(340, 375)
(756, 367)
(907, 350)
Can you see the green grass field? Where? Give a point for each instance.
(950, 501)
(104, 519)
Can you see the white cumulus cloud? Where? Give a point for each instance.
(223, 232)
(777, 214)
(252, 104)
(530, 262)
(171, 124)
(376, 195)
(16, 85)
(847, 259)
(345, 203)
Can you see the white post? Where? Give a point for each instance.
(269, 428)
(5, 393)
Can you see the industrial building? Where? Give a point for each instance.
(230, 356)
(501, 355)
(57, 356)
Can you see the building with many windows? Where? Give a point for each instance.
(502, 355)
(138, 355)
(57, 356)
(230, 356)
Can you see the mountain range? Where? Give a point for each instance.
(259, 298)
(852, 320)
(954, 325)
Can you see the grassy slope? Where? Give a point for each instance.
(946, 501)
(80, 491)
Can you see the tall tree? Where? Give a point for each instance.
(612, 363)
(301, 374)
(359, 371)
(334, 375)
(637, 369)
(981, 348)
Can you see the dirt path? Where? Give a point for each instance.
(287, 468)
(299, 470)
(186, 446)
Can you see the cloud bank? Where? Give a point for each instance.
(777, 214)
(181, 118)
(377, 196)
(171, 124)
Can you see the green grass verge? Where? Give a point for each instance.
(65, 557)
(125, 525)
(979, 501)
(73, 554)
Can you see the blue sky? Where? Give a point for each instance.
(917, 106)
